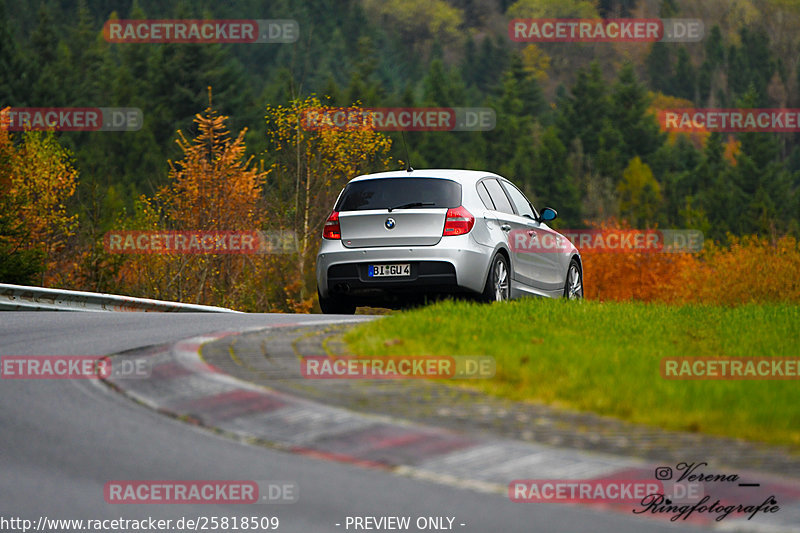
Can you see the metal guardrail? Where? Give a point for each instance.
(24, 298)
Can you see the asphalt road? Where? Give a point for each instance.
(61, 441)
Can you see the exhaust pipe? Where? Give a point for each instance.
(343, 287)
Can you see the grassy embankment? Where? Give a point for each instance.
(605, 358)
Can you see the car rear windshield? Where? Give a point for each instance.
(386, 193)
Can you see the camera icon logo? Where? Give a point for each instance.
(663, 473)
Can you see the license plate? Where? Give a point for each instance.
(379, 271)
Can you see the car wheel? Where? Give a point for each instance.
(332, 305)
(573, 287)
(498, 282)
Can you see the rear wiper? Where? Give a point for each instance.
(412, 204)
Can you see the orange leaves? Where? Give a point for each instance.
(213, 186)
(634, 276)
(216, 187)
(660, 103)
(36, 180)
(749, 269)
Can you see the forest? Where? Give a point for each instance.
(219, 148)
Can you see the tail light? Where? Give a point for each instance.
(458, 221)
(331, 229)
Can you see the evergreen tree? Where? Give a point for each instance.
(583, 112)
(685, 81)
(751, 65)
(719, 198)
(552, 184)
(47, 65)
(513, 130)
(616, 8)
(715, 49)
(13, 68)
(659, 68)
(630, 116)
(529, 90)
(763, 180)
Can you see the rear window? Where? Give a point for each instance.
(386, 193)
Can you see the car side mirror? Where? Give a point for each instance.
(548, 214)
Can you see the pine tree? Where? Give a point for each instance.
(685, 81)
(13, 69)
(630, 115)
(583, 112)
(659, 68)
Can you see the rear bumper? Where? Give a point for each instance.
(455, 264)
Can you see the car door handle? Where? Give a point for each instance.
(505, 227)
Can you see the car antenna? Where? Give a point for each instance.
(405, 147)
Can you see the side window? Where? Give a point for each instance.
(520, 202)
(498, 196)
(484, 194)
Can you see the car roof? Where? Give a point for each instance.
(463, 176)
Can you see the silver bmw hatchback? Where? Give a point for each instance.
(395, 238)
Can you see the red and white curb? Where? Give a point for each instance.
(182, 385)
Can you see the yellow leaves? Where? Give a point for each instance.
(36, 179)
(639, 192)
(424, 18)
(552, 8)
(536, 62)
(737, 14)
(310, 168)
(38, 176)
(744, 271)
(337, 153)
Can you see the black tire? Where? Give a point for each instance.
(573, 286)
(333, 305)
(493, 292)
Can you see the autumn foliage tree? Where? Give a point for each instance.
(633, 275)
(310, 168)
(36, 180)
(745, 270)
(214, 187)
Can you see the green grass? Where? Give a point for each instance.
(605, 358)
